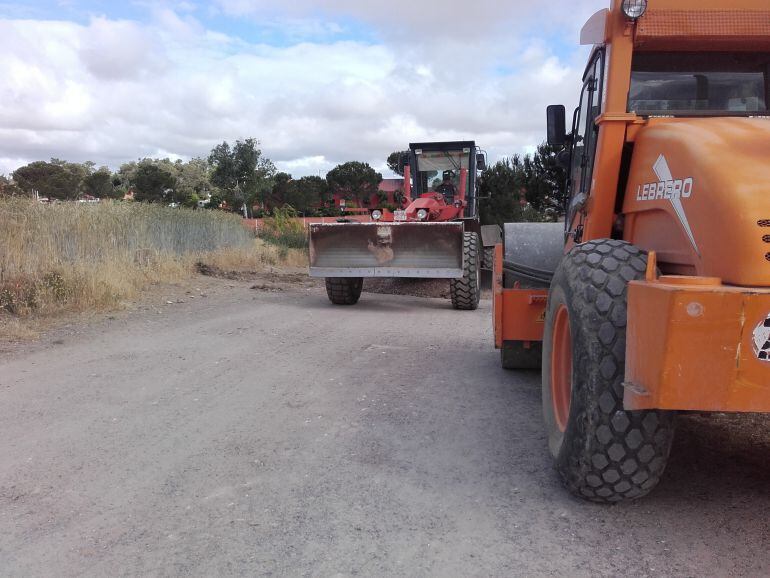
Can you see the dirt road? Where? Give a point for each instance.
(258, 432)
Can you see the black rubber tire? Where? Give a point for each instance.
(605, 454)
(488, 262)
(466, 291)
(513, 355)
(344, 290)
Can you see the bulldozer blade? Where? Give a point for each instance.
(399, 249)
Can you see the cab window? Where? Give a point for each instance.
(585, 131)
(685, 83)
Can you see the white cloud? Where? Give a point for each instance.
(112, 91)
(116, 50)
(316, 165)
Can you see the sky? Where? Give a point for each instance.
(316, 82)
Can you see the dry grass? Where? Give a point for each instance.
(15, 329)
(260, 256)
(78, 257)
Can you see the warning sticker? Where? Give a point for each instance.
(761, 340)
(541, 319)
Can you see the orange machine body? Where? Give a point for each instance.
(696, 192)
(519, 314)
(694, 343)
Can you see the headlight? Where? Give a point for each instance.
(376, 214)
(421, 214)
(634, 8)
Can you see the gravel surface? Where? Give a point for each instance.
(415, 287)
(438, 288)
(239, 431)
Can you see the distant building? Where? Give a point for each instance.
(390, 187)
(387, 188)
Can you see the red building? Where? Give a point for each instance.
(388, 190)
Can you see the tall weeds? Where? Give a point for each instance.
(82, 256)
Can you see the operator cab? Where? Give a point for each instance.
(664, 82)
(441, 167)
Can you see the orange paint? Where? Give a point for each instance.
(696, 195)
(518, 313)
(561, 365)
(689, 346)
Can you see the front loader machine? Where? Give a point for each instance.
(436, 236)
(660, 301)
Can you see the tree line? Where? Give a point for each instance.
(239, 177)
(524, 188)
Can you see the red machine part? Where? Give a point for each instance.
(433, 203)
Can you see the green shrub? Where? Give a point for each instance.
(284, 229)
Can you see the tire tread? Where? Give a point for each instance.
(344, 290)
(614, 454)
(466, 292)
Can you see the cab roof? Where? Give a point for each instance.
(444, 145)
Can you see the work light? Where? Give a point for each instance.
(376, 214)
(634, 8)
(421, 214)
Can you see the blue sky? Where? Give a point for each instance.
(317, 83)
(317, 28)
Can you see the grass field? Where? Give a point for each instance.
(75, 256)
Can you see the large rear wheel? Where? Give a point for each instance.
(602, 452)
(344, 290)
(466, 291)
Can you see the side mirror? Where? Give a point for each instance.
(481, 162)
(557, 132)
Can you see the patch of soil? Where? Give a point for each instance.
(267, 287)
(272, 280)
(301, 279)
(214, 271)
(438, 288)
